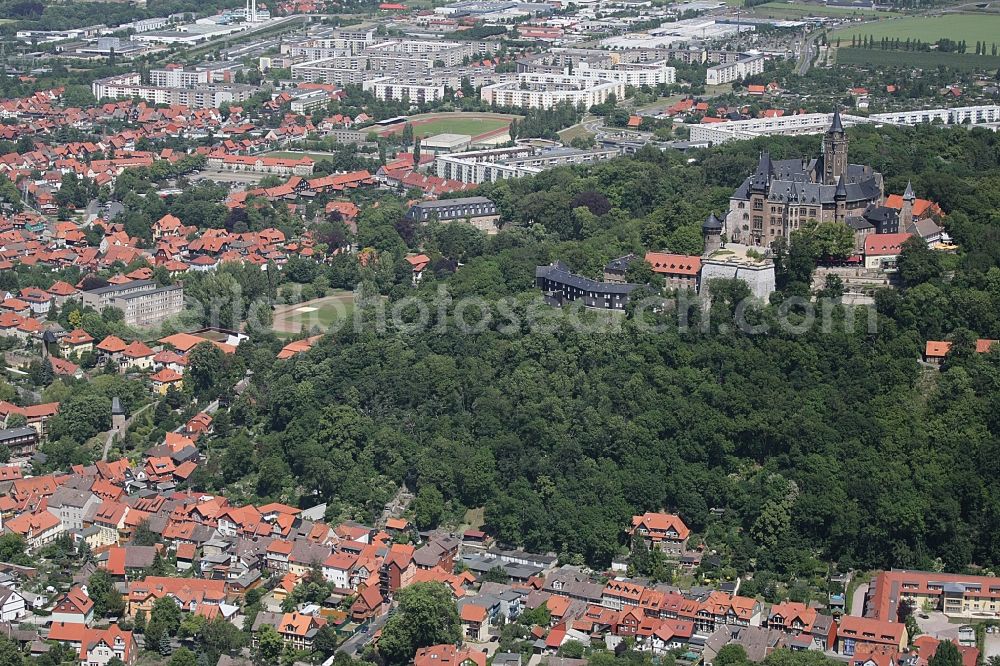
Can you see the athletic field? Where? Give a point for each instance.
(479, 126)
(322, 313)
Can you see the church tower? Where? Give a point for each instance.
(834, 151)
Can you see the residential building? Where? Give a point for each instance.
(717, 75)
(102, 645)
(70, 506)
(208, 96)
(560, 286)
(448, 655)
(400, 89)
(143, 302)
(480, 212)
(664, 531)
(883, 250)
(21, 442)
(298, 631)
(12, 605)
(38, 529)
(74, 607)
(474, 620)
(852, 633)
(955, 595)
(543, 91)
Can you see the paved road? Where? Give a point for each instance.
(111, 433)
(807, 53)
(355, 643)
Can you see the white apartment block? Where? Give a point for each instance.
(315, 50)
(451, 53)
(631, 74)
(543, 91)
(394, 88)
(817, 123)
(338, 71)
(734, 71)
(310, 100)
(482, 166)
(177, 78)
(128, 86)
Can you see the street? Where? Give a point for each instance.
(807, 53)
(355, 643)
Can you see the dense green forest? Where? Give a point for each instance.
(784, 449)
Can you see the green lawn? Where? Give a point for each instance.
(324, 316)
(919, 59)
(573, 132)
(797, 10)
(470, 126)
(970, 27)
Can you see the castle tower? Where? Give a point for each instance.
(711, 231)
(840, 199)
(834, 151)
(117, 414)
(906, 213)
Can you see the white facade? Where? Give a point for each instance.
(487, 166)
(817, 123)
(543, 91)
(632, 74)
(128, 86)
(177, 78)
(734, 71)
(71, 514)
(12, 605)
(395, 88)
(339, 577)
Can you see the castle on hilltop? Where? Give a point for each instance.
(782, 195)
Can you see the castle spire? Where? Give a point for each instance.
(908, 194)
(836, 125)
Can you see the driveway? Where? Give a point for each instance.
(858, 600)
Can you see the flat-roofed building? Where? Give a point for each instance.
(143, 302)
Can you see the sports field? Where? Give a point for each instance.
(329, 312)
(929, 29)
(476, 125)
(470, 126)
(919, 59)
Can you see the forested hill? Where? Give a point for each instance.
(827, 445)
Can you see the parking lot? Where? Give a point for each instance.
(936, 624)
